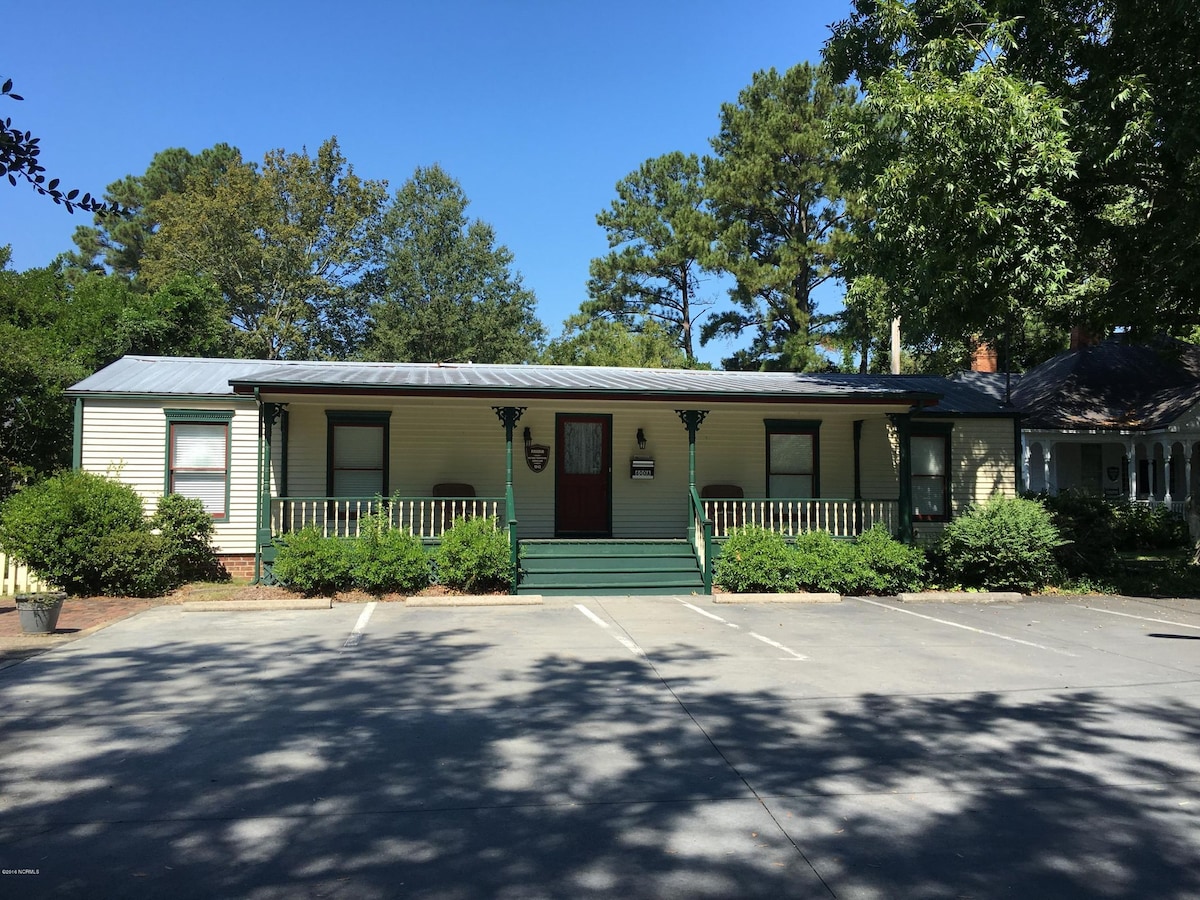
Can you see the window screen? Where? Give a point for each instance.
(358, 460)
(929, 476)
(791, 460)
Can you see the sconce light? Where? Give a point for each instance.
(528, 438)
(641, 439)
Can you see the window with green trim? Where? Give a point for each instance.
(358, 454)
(793, 458)
(198, 458)
(930, 476)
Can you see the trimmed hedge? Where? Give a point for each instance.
(755, 559)
(474, 556)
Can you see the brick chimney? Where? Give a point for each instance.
(1081, 337)
(984, 358)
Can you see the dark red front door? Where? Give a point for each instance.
(583, 467)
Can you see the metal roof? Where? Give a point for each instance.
(227, 377)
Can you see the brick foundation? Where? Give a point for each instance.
(238, 565)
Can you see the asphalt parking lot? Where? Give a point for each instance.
(611, 747)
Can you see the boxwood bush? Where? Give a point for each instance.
(474, 556)
(1003, 544)
(311, 563)
(387, 560)
(755, 560)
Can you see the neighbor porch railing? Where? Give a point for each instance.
(840, 517)
(426, 517)
(1178, 507)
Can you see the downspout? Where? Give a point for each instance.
(258, 475)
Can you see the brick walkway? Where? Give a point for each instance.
(79, 616)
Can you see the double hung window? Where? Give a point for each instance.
(198, 457)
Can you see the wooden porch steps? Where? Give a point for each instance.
(609, 567)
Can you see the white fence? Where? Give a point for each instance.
(17, 579)
(426, 517)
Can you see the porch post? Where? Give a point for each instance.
(268, 414)
(77, 436)
(903, 424)
(1187, 470)
(1025, 455)
(509, 415)
(1047, 454)
(1133, 467)
(691, 419)
(1168, 453)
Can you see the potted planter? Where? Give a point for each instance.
(39, 611)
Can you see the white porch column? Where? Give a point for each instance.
(1187, 470)
(1047, 450)
(1168, 452)
(1025, 454)
(1131, 456)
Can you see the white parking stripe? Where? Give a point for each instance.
(1112, 612)
(359, 627)
(777, 645)
(1002, 637)
(705, 612)
(625, 642)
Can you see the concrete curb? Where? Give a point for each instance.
(256, 605)
(473, 600)
(961, 597)
(777, 598)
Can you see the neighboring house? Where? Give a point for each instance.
(575, 461)
(1115, 420)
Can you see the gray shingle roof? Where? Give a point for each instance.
(225, 377)
(1113, 385)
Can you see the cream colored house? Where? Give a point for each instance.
(573, 461)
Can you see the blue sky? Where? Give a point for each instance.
(538, 108)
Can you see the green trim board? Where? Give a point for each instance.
(200, 417)
(77, 436)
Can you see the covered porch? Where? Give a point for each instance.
(583, 467)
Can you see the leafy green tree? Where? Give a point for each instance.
(590, 341)
(118, 244)
(287, 245)
(661, 236)
(1119, 72)
(781, 214)
(962, 163)
(446, 290)
(55, 331)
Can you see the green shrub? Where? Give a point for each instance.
(822, 563)
(1087, 526)
(474, 556)
(387, 560)
(893, 567)
(135, 564)
(1003, 544)
(311, 563)
(755, 560)
(56, 527)
(1138, 527)
(186, 531)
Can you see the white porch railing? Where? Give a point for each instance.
(426, 517)
(17, 579)
(840, 517)
(1178, 507)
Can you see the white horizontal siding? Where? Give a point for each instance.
(127, 439)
